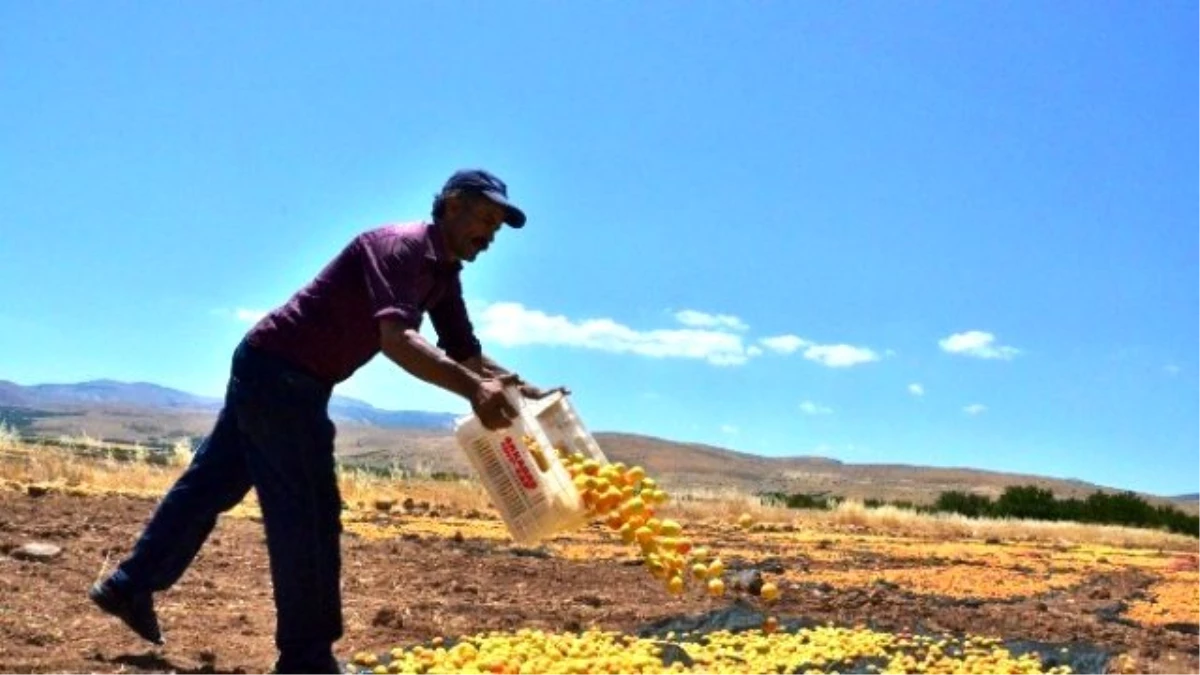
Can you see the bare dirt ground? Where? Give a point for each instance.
(409, 589)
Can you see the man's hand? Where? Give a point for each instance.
(486, 367)
(491, 405)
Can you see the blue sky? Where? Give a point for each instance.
(951, 234)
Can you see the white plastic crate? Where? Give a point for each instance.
(536, 500)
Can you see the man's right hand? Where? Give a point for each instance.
(490, 403)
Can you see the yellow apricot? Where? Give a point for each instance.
(716, 587)
(675, 585)
(635, 475)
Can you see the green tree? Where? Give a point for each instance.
(972, 505)
(1027, 501)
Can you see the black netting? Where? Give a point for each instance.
(671, 633)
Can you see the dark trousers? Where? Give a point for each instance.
(273, 434)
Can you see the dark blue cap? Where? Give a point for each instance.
(483, 182)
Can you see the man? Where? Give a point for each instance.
(274, 434)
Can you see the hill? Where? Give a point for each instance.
(420, 442)
(144, 395)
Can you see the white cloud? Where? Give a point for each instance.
(729, 428)
(978, 344)
(784, 344)
(511, 324)
(249, 315)
(975, 409)
(240, 314)
(694, 319)
(839, 356)
(810, 408)
(916, 389)
(833, 356)
(707, 337)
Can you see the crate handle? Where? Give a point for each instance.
(513, 392)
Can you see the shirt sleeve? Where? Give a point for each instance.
(391, 270)
(456, 335)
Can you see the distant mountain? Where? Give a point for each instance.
(348, 409)
(1195, 496)
(102, 392)
(111, 393)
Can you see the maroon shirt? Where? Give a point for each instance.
(330, 328)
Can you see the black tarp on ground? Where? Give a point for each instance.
(741, 616)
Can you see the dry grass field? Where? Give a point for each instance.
(682, 465)
(432, 583)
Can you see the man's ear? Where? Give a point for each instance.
(451, 206)
(456, 203)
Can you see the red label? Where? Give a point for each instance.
(518, 463)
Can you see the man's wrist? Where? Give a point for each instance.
(494, 369)
(468, 382)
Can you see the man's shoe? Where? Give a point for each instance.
(137, 611)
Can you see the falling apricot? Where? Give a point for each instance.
(634, 476)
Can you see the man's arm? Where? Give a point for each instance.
(456, 337)
(485, 366)
(409, 350)
(406, 347)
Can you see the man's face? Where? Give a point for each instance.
(470, 223)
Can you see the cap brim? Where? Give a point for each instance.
(512, 215)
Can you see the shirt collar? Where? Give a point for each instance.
(436, 248)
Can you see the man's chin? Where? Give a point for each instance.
(473, 253)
